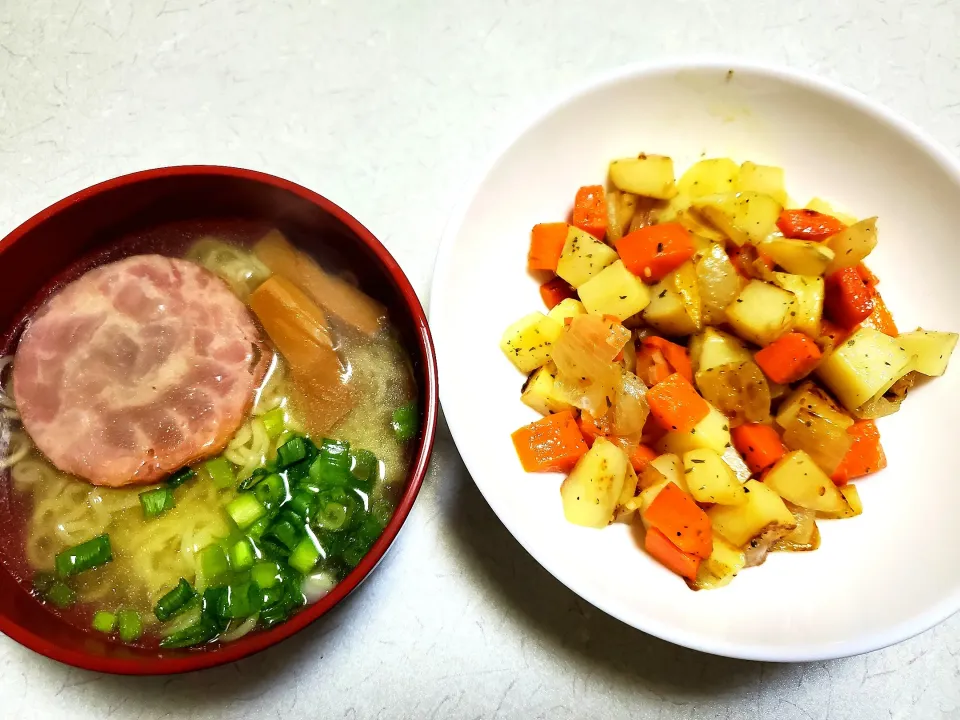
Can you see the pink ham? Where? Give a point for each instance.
(136, 369)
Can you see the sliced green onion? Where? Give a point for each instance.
(273, 550)
(286, 529)
(245, 510)
(336, 452)
(181, 476)
(104, 621)
(302, 503)
(200, 632)
(333, 516)
(273, 422)
(241, 555)
(174, 601)
(365, 466)
(156, 502)
(220, 471)
(61, 594)
(266, 575)
(215, 606)
(271, 491)
(305, 555)
(292, 451)
(323, 472)
(255, 477)
(213, 561)
(243, 600)
(256, 531)
(405, 421)
(130, 625)
(85, 556)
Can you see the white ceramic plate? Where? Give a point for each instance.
(877, 579)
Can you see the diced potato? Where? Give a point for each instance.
(721, 567)
(592, 489)
(762, 514)
(798, 257)
(718, 282)
(852, 245)
(539, 393)
(763, 179)
(797, 478)
(809, 291)
(713, 348)
(810, 397)
(863, 366)
(626, 507)
(762, 312)
(712, 432)
(583, 256)
(670, 466)
(743, 217)
(648, 175)
(614, 291)
(932, 349)
(822, 206)
(650, 477)
(674, 307)
(528, 343)
(567, 308)
(853, 506)
(709, 177)
(710, 479)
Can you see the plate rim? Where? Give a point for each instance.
(833, 90)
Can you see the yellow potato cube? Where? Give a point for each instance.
(614, 291)
(528, 343)
(583, 256)
(648, 175)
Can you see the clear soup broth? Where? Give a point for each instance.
(271, 509)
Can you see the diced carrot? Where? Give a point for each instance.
(590, 211)
(555, 291)
(652, 366)
(675, 355)
(589, 428)
(641, 457)
(880, 319)
(553, 442)
(847, 299)
(806, 224)
(865, 455)
(670, 556)
(677, 515)
(546, 244)
(654, 251)
(759, 445)
(652, 431)
(869, 279)
(788, 358)
(676, 405)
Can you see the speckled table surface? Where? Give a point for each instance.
(386, 106)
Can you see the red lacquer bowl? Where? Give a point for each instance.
(90, 220)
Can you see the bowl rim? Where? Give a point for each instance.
(804, 80)
(255, 642)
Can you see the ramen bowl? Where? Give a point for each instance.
(88, 227)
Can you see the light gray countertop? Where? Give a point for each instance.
(387, 107)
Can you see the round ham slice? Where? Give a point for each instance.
(136, 369)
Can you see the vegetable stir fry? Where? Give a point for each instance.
(711, 364)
